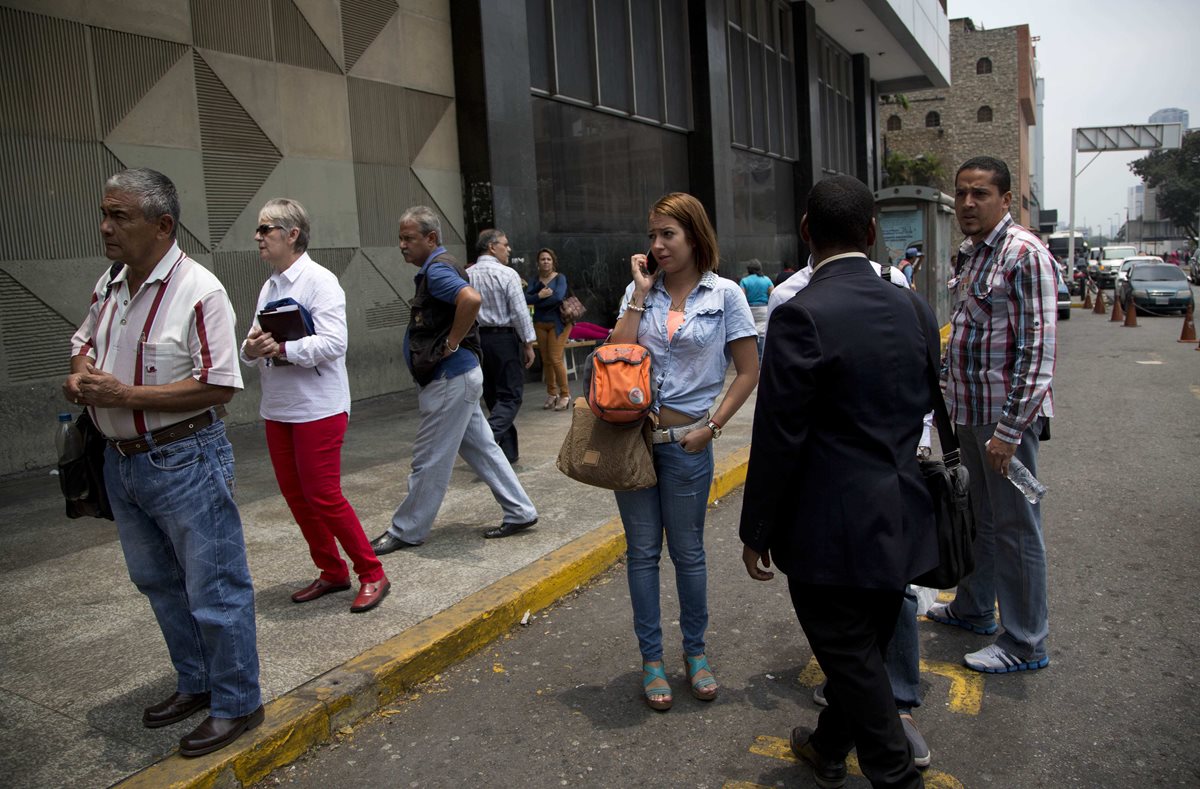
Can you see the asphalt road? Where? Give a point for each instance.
(557, 703)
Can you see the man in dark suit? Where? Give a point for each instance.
(844, 383)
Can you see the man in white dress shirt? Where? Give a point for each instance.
(506, 332)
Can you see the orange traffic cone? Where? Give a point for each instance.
(1130, 316)
(1189, 326)
(1099, 302)
(1087, 297)
(1118, 314)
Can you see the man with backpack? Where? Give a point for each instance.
(442, 349)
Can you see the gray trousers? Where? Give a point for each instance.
(452, 423)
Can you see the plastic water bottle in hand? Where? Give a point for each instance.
(1025, 482)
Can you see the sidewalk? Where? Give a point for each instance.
(82, 654)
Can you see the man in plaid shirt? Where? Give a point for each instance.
(998, 370)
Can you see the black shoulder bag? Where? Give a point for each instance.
(949, 486)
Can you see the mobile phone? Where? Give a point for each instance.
(651, 263)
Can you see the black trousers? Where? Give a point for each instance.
(503, 386)
(849, 629)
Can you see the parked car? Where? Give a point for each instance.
(1123, 271)
(1156, 288)
(1064, 300)
(1106, 261)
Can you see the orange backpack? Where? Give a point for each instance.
(618, 383)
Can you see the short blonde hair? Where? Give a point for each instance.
(288, 214)
(691, 216)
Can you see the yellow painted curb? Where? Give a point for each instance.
(310, 714)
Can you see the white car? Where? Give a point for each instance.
(1105, 262)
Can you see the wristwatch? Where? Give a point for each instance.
(714, 427)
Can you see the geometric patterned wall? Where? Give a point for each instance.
(345, 105)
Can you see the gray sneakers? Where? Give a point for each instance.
(920, 749)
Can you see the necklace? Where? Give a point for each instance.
(678, 307)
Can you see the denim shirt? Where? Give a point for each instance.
(689, 371)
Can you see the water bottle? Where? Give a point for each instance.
(1023, 479)
(67, 440)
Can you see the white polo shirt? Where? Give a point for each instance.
(179, 324)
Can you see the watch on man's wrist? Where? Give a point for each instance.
(714, 427)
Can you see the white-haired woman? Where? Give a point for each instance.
(306, 405)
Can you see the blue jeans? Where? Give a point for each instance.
(182, 537)
(676, 506)
(903, 657)
(1010, 555)
(452, 424)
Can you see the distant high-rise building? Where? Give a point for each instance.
(1137, 199)
(1170, 115)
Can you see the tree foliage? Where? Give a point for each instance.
(1176, 176)
(919, 170)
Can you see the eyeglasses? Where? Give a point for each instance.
(263, 230)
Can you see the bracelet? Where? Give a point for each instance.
(634, 307)
(452, 349)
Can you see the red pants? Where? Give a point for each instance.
(307, 457)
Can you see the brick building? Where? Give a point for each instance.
(988, 109)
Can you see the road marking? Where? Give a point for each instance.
(1195, 391)
(1153, 362)
(966, 686)
(778, 748)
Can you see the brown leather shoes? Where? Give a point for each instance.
(174, 709)
(215, 733)
(318, 588)
(370, 595)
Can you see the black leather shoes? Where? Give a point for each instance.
(507, 529)
(386, 543)
(177, 707)
(828, 773)
(215, 733)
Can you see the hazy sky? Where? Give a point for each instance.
(1105, 63)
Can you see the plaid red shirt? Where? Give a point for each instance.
(1000, 360)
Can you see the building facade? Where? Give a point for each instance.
(559, 121)
(989, 109)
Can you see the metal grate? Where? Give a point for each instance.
(45, 87)
(243, 275)
(240, 27)
(50, 191)
(383, 193)
(422, 113)
(295, 41)
(238, 156)
(362, 22)
(336, 259)
(127, 66)
(377, 129)
(37, 340)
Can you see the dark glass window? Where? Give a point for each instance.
(837, 103)
(537, 19)
(573, 49)
(599, 173)
(983, 66)
(612, 41)
(675, 62)
(647, 73)
(932, 119)
(984, 115)
(628, 57)
(893, 123)
(762, 76)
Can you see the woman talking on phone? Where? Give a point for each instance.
(693, 322)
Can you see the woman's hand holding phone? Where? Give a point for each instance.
(644, 269)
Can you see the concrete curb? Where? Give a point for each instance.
(312, 713)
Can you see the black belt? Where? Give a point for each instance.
(495, 329)
(169, 434)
